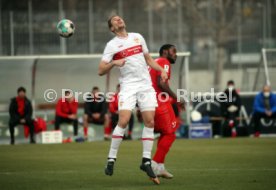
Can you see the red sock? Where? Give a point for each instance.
(26, 131)
(164, 144)
(107, 130)
(85, 131)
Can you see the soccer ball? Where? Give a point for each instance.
(65, 28)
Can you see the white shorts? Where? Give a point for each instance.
(145, 96)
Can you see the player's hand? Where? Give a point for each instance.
(96, 115)
(232, 108)
(119, 63)
(72, 116)
(164, 75)
(22, 121)
(182, 105)
(268, 113)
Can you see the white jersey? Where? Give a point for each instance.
(132, 49)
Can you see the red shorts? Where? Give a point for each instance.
(164, 120)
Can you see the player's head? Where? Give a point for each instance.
(21, 92)
(68, 96)
(168, 51)
(95, 91)
(266, 90)
(231, 85)
(116, 23)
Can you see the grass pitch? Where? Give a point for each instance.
(242, 163)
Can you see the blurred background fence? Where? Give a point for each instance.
(223, 36)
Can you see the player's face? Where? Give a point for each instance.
(21, 94)
(69, 97)
(266, 89)
(172, 56)
(117, 23)
(95, 93)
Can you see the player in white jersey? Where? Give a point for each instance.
(129, 52)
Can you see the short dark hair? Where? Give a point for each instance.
(230, 82)
(109, 23)
(165, 47)
(95, 88)
(67, 92)
(21, 89)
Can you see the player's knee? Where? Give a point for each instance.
(123, 123)
(149, 123)
(173, 136)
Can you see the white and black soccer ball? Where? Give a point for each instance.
(65, 28)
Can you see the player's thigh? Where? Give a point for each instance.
(127, 100)
(14, 122)
(124, 117)
(147, 99)
(165, 120)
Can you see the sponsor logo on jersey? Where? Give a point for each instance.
(128, 52)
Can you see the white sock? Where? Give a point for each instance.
(117, 138)
(147, 140)
(161, 166)
(154, 165)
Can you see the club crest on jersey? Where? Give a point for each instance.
(166, 68)
(136, 40)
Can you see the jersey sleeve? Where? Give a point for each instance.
(165, 66)
(59, 110)
(108, 53)
(143, 43)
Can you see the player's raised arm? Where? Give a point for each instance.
(155, 66)
(105, 67)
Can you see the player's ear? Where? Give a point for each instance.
(112, 28)
(165, 52)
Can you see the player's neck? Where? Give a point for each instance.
(122, 33)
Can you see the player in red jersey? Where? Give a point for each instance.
(164, 121)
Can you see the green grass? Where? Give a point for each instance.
(243, 163)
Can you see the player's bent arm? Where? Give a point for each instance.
(165, 88)
(104, 67)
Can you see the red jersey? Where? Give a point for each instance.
(20, 105)
(166, 65)
(113, 106)
(64, 108)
